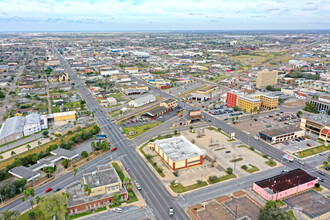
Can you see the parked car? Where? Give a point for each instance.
(320, 179)
(284, 171)
(228, 151)
(119, 210)
(309, 145)
(171, 212)
(113, 149)
(49, 189)
(321, 154)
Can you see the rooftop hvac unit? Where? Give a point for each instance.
(97, 182)
(93, 173)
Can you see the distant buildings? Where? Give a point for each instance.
(164, 107)
(318, 124)
(104, 184)
(178, 152)
(284, 185)
(266, 78)
(278, 135)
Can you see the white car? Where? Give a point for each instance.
(119, 210)
(171, 212)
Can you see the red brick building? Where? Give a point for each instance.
(231, 99)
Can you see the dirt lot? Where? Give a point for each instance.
(225, 152)
(215, 211)
(245, 207)
(311, 203)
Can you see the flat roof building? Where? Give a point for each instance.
(278, 135)
(178, 152)
(322, 104)
(104, 184)
(284, 185)
(266, 78)
(12, 129)
(144, 100)
(318, 124)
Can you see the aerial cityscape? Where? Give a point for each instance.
(157, 112)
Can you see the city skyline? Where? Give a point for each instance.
(137, 15)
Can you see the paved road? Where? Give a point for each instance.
(20, 142)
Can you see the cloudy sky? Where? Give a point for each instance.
(110, 15)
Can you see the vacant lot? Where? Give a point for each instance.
(135, 131)
(311, 203)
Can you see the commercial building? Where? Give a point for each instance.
(193, 116)
(207, 91)
(284, 185)
(248, 103)
(266, 78)
(65, 116)
(178, 152)
(144, 100)
(322, 104)
(164, 107)
(169, 103)
(318, 124)
(251, 102)
(104, 184)
(32, 124)
(12, 129)
(278, 135)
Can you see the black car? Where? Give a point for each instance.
(57, 189)
(322, 173)
(210, 121)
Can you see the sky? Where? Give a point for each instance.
(135, 15)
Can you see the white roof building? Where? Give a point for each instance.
(144, 100)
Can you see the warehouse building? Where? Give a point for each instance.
(178, 152)
(12, 129)
(144, 100)
(278, 135)
(284, 185)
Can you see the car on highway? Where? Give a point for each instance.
(127, 169)
(57, 189)
(309, 145)
(101, 110)
(113, 149)
(118, 210)
(320, 179)
(171, 212)
(321, 154)
(284, 171)
(228, 151)
(49, 189)
(180, 115)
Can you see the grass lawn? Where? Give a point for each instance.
(222, 148)
(290, 212)
(271, 163)
(118, 170)
(280, 203)
(179, 188)
(133, 198)
(149, 158)
(223, 178)
(318, 189)
(236, 160)
(312, 151)
(72, 105)
(55, 109)
(117, 96)
(140, 129)
(252, 169)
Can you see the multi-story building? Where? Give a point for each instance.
(178, 152)
(64, 116)
(318, 124)
(266, 78)
(248, 103)
(268, 101)
(104, 183)
(322, 104)
(169, 103)
(231, 99)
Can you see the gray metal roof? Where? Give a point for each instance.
(320, 118)
(144, 99)
(102, 177)
(11, 126)
(32, 119)
(23, 172)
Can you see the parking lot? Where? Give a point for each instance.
(295, 146)
(311, 203)
(227, 153)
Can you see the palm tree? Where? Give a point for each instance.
(37, 201)
(28, 146)
(13, 153)
(74, 173)
(1, 158)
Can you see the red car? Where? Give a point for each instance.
(113, 149)
(49, 189)
(181, 115)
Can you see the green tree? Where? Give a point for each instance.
(9, 215)
(271, 211)
(53, 205)
(229, 170)
(116, 199)
(1, 158)
(84, 154)
(13, 153)
(65, 163)
(28, 146)
(45, 133)
(49, 170)
(75, 173)
(93, 145)
(299, 113)
(37, 201)
(175, 132)
(233, 119)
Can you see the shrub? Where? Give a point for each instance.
(252, 148)
(213, 179)
(199, 182)
(172, 182)
(244, 167)
(265, 156)
(317, 185)
(84, 154)
(229, 170)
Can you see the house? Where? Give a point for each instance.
(104, 183)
